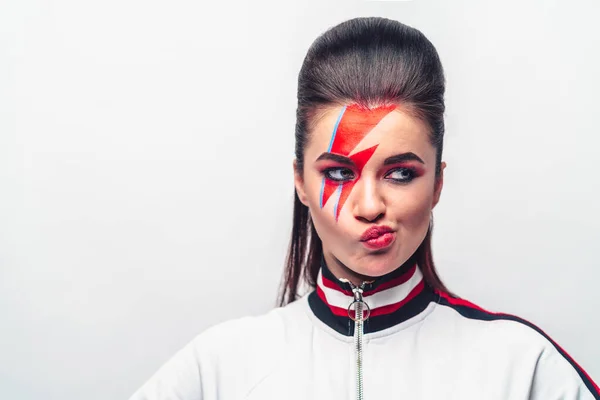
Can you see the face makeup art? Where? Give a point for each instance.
(352, 126)
(369, 183)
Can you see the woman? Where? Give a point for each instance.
(377, 321)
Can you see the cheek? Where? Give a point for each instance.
(323, 218)
(413, 209)
(328, 230)
(312, 186)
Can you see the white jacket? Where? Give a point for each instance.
(416, 343)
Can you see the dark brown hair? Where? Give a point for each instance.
(370, 62)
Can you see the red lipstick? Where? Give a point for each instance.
(378, 237)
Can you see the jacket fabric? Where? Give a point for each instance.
(409, 342)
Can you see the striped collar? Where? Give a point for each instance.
(392, 298)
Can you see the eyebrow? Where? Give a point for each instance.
(409, 156)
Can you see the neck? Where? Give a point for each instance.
(341, 271)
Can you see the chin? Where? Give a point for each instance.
(377, 266)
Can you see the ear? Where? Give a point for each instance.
(299, 184)
(438, 186)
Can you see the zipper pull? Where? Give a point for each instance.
(360, 306)
(359, 317)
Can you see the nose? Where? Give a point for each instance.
(369, 205)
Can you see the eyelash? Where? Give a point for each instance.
(412, 174)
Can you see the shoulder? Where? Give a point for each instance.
(229, 358)
(269, 327)
(259, 339)
(520, 342)
(503, 327)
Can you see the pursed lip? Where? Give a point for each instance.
(375, 232)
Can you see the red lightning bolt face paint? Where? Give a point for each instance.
(353, 124)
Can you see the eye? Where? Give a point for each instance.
(338, 174)
(401, 175)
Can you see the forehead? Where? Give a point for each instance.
(348, 130)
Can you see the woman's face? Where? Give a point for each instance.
(364, 169)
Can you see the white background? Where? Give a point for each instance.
(146, 173)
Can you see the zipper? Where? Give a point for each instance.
(362, 312)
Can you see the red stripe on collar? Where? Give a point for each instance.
(387, 309)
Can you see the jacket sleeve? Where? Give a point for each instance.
(558, 377)
(178, 379)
